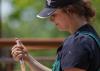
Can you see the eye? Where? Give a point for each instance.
(53, 17)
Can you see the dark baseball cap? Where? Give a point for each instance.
(52, 5)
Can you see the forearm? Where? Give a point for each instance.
(35, 65)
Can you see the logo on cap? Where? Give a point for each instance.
(49, 2)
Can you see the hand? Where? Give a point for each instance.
(19, 51)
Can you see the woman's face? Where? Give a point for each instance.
(61, 20)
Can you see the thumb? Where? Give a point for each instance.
(18, 42)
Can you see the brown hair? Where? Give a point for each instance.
(81, 8)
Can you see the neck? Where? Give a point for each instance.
(76, 24)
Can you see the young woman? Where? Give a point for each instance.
(81, 50)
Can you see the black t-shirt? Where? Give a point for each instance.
(80, 51)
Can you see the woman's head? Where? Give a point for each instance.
(67, 14)
(67, 21)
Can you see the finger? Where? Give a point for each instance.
(16, 49)
(17, 53)
(18, 42)
(16, 46)
(23, 47)
(18, 57)
(13, 47)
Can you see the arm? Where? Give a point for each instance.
(19, 51)
(35, 65)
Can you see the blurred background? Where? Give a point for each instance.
(18, 19)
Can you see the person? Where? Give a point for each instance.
(78, 52)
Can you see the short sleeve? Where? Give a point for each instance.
(77, 53)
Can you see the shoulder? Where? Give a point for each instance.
(82, 38)
(79, 41)
(83, 41)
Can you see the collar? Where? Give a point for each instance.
(86, 28)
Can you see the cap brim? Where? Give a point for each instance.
(46, 12)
